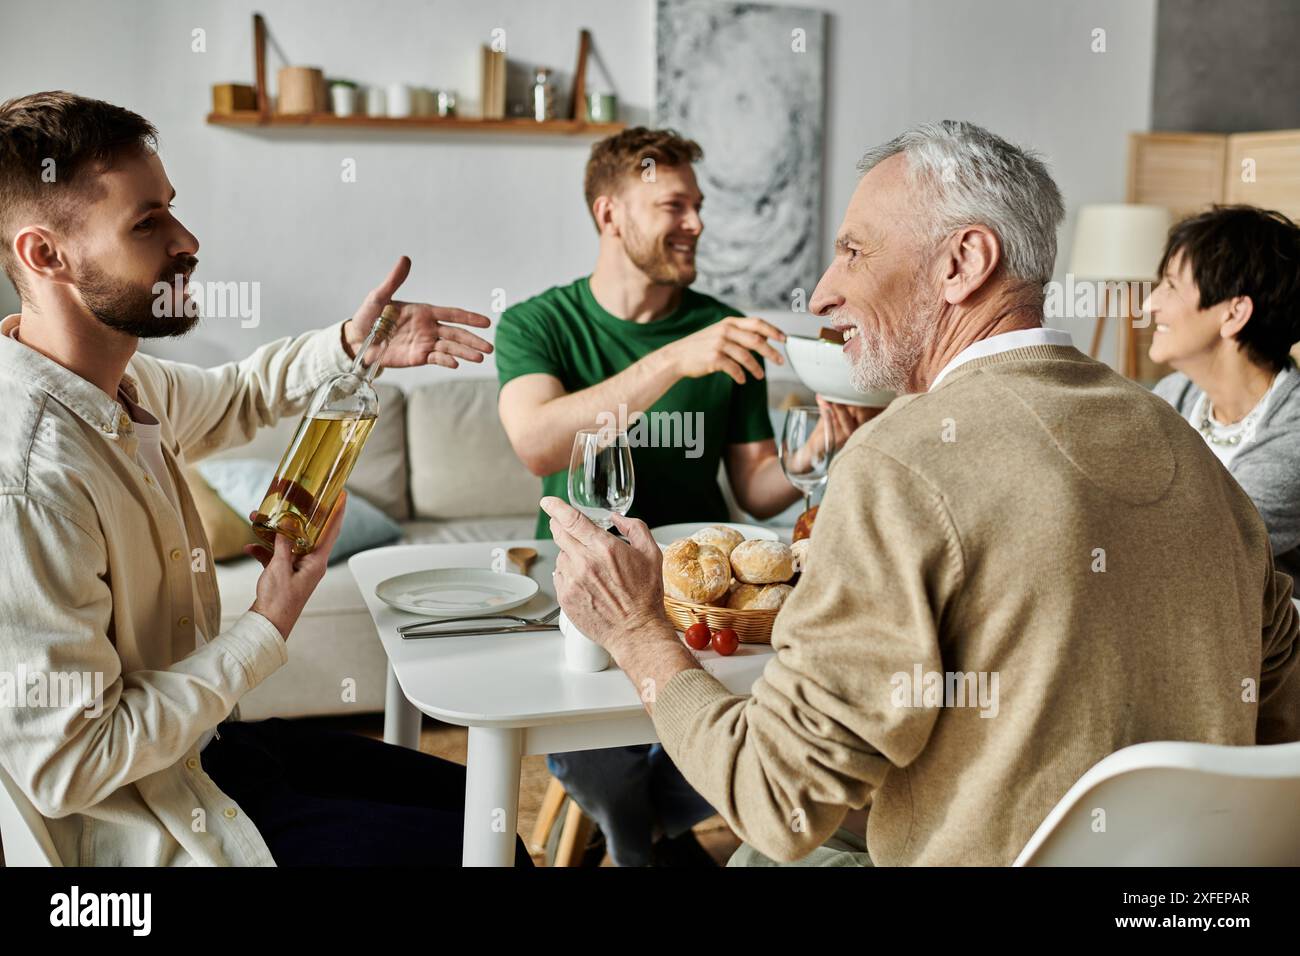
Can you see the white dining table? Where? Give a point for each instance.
(512, 691)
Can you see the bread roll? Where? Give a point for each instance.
(695, 572)
(754, 597)
(719, 536)
(726, 595)
(762, 562)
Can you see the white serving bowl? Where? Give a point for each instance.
(666, 534)
(824, 368)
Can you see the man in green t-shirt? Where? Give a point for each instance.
(633, 338)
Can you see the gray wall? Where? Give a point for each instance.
(1227, 67)
(477, 213)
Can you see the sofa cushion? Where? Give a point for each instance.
(380, 473)
(462, 465)
(227, 531)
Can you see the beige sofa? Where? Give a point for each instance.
(414, 467)
(438, 463)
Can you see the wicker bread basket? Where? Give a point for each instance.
(751, 626)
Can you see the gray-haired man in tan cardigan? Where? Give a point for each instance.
(1023, 517)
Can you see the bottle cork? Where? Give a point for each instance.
(386, 322)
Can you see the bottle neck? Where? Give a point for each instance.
(370, 355)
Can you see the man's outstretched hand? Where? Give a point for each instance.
(425, 334)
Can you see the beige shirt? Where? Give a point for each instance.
(148, 433)
(97, 578)
(1011, 577)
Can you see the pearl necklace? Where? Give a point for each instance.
(1215, 432)
(1230, 435)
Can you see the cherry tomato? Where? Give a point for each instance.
(726, 641)
(697, 636)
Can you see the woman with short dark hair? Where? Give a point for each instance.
(1227, 313)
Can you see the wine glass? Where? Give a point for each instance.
(601, 483)
(806, 448)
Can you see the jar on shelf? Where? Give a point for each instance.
(543, 96)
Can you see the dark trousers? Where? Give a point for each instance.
(325, 798)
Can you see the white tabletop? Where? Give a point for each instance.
(508, 680)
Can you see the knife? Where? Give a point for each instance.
(468, 631)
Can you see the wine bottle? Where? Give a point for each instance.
(326, 445)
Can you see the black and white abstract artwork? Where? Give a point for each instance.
(747, 82)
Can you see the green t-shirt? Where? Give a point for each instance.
(676, 451)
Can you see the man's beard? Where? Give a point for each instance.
(887, 364)
(654, 259)
(128, 308)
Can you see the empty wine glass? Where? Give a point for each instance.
(601, 482)
(806, 448)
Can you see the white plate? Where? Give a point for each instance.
(824, 368)
(452, 592)
(666, 534)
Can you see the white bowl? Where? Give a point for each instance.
(824, 368)
(666, 534)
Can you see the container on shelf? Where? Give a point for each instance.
(399, 100)
(543, 100)
(301, 90)
(376, 101)
(343, 98)
(602, 108)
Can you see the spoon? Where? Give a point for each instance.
(522, 558)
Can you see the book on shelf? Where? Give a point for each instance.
(493, 84)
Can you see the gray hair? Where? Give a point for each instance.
(979, 178)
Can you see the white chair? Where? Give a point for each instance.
(1177, 804)
(23, 834)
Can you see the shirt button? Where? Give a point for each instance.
(184, 622)
(192, 764)
(231, 813)
(176, 554)
(148, 479)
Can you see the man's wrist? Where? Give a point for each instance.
(648, 632)
(651, 656)
(665, 364)
(284, 632)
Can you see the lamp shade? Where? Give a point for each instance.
(1119, 241)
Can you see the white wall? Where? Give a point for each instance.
(477, 213)
(1022, 68)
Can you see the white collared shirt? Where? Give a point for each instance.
(1021, 338)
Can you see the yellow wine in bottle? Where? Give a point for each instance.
(324, 449)
(309, 479)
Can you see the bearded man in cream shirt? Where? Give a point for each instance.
(97, 523)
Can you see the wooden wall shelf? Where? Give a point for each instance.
(263, 118)
(468, 124)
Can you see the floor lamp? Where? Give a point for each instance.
(1116, 243)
